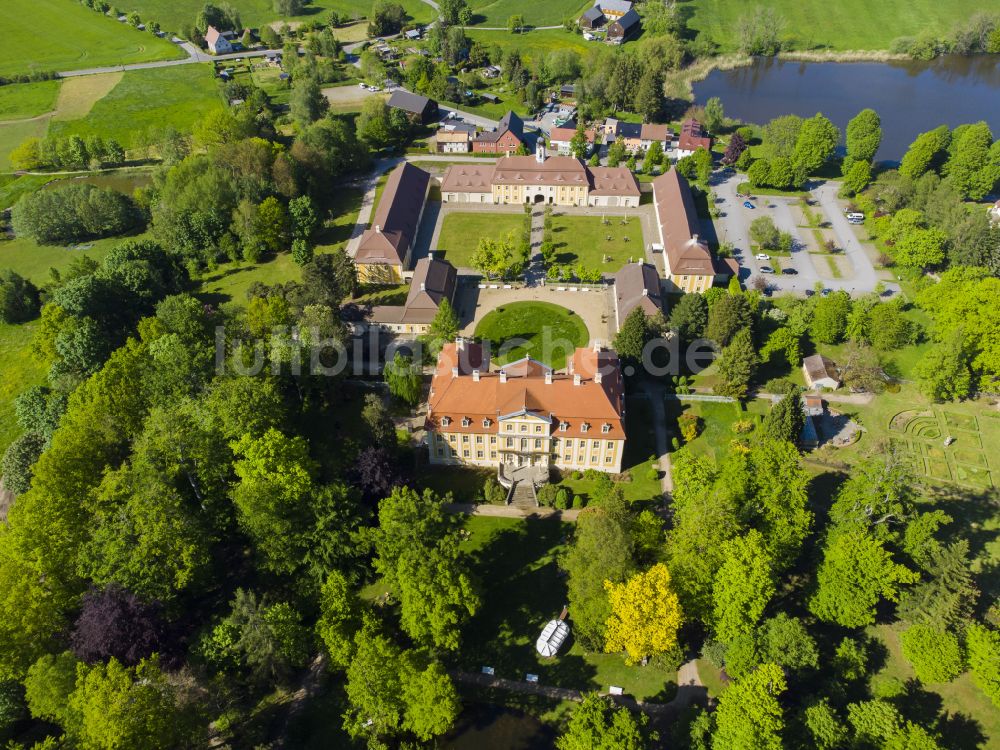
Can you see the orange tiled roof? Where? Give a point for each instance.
(585, 407)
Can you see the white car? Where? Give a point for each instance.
(362, 86)
(766, 269)
(762, 256)
(374, 88)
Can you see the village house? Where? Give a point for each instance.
(688, 263)
(560, 138)
(820, 372)
(383, 254)
(508, 137)
(556, 180)
(418, 108)
(593, 18)
(219, 43)
(623, 28)
(452, 141)
(637, 285)
(637, 136)
(433, 281)
(693, 136)
(525, 414)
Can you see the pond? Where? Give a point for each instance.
(910, 97)
(123, 182)
(490, 727)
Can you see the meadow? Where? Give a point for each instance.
(549, 13)
(172, 14)
(144, 99)
(44, 35)
(21, 100)
(533, 45)
(844, 25)
(19, 369)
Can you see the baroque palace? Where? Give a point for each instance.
(524, 414)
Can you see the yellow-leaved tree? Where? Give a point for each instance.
(645, 615)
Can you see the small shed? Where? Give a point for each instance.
(491, 98)
(554, 634)
(820, 372)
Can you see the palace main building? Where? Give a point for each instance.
(524, 413)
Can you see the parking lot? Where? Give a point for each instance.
(854, 272)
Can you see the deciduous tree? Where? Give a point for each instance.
(743, 586)
(597, 724)
(749, 716)
(645, 615)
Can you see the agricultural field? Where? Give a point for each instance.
(845, 25)
(183, 96)
(173, 14)
(605, 243)
(21, 100)
(53, 35)
(461, 230)
(550, 13)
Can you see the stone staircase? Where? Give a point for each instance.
(524, 497)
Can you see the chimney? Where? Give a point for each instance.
(503, 376)
(576, 378)
(598, 376)
(454, 372)
(694, 238)
(423, 287)
(475, 376)
(378, 229)
(459, 342)
(597, 346)
(645, 291)
(548, 377)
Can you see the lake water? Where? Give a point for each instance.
(910, 97)
(489, 727)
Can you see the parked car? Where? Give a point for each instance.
(789, 272)
(748, 204)
(374, 88)
(762, 256)
(362, 86)
(766, 269)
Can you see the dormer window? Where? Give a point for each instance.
(563, 426)
(466, 421)
(445, 421)
(487, 422)
(585, 427)
(606, 427)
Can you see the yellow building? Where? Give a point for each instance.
(383, 253)
(526, 415)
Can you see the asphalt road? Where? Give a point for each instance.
(734, 227)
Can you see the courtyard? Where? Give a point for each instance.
(544, 331)
(458, 232)
(603, 242)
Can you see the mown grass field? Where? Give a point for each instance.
(12, 187)
(33, 261)
(549, 333)
(584, 240)
(533, 45)
(13, 134)
(460, 233)
(20, 100)
(57, 35)
(178, 97)
(843, 25)
(549, 13)
(172, 14)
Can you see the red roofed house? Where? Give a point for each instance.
(693, 136)
(524, 413)
(384, 251)
(218, 43)
(561, 138)
(508, 137)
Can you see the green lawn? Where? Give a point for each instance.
(148, 99)
(516, 561)
(19, 369)
(33, 261)
(461, 232)
(716, 423)
(12, 134)
(583, 240)
(57, 35)
(959, 698)
(20, 100)
(546, 332)
(533, 45)
(843, 25)
(549, 13)
(171, 14)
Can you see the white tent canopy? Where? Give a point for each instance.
(553, 635)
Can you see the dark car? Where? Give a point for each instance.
(789, 271)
